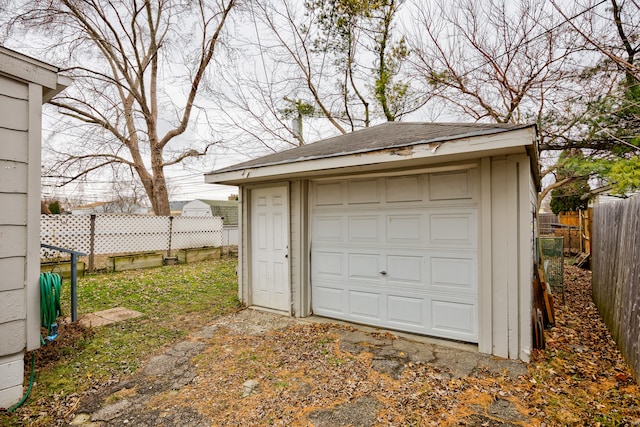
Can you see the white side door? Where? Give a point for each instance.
(269, 248)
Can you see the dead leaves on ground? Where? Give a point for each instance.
(580, 379)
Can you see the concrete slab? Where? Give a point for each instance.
(107, 317)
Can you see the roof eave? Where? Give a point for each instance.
(32, 70)
(515, 141)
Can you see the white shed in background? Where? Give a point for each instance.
(25, 84)
(419, 227)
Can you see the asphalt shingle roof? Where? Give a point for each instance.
(228, 210)
(380, 137)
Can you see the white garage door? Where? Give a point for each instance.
(398, 252)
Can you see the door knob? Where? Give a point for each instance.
(384, 273)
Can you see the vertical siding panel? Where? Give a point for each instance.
(499, 256)
(305, 252)
(294, 245)
(485, 309)
(528, 257)
(527, 206)
(33, 219)
(244, 248)
(513, 250)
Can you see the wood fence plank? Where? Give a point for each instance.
(616, 274)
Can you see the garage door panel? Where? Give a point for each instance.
(328, 194)
(405, 229)
(364, 266)
(365, 305)
(360, 192)
(328, 229)
(329, 301)
(405, 270)
(450, 186)
(363, 229)
(406, 311)
(454, 273)
(454, 319)
(328, 264)
(404, 189)
(453, 229)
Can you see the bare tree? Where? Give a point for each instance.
(623, 24)
(138, 66)
(507, 62)
(607, 129)
(492, 61)
(337, 65)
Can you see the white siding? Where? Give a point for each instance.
(11, 373)
(499, 256)
(485, 291)
(22, 82)
(14, 170)
(508, 272)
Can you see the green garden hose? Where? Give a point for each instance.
(50, 287)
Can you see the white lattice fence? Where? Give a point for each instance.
(196, 232)
(128, 233)
(65, 231)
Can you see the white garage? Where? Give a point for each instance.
(418, 227)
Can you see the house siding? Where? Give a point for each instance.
(510, 270)
(14, 184)
(499, 257)
(530, 230)
(24, 84)
(507, 211)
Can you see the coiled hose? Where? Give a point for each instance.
(50, 288)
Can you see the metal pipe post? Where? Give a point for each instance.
(74, 283)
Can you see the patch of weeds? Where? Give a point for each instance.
(608, 420)
(247, 356)
(334, 361)
(281, 384)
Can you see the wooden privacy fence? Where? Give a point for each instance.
(575, 227)
(110, 234)
(616, 274)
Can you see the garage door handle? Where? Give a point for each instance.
(384, 273)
